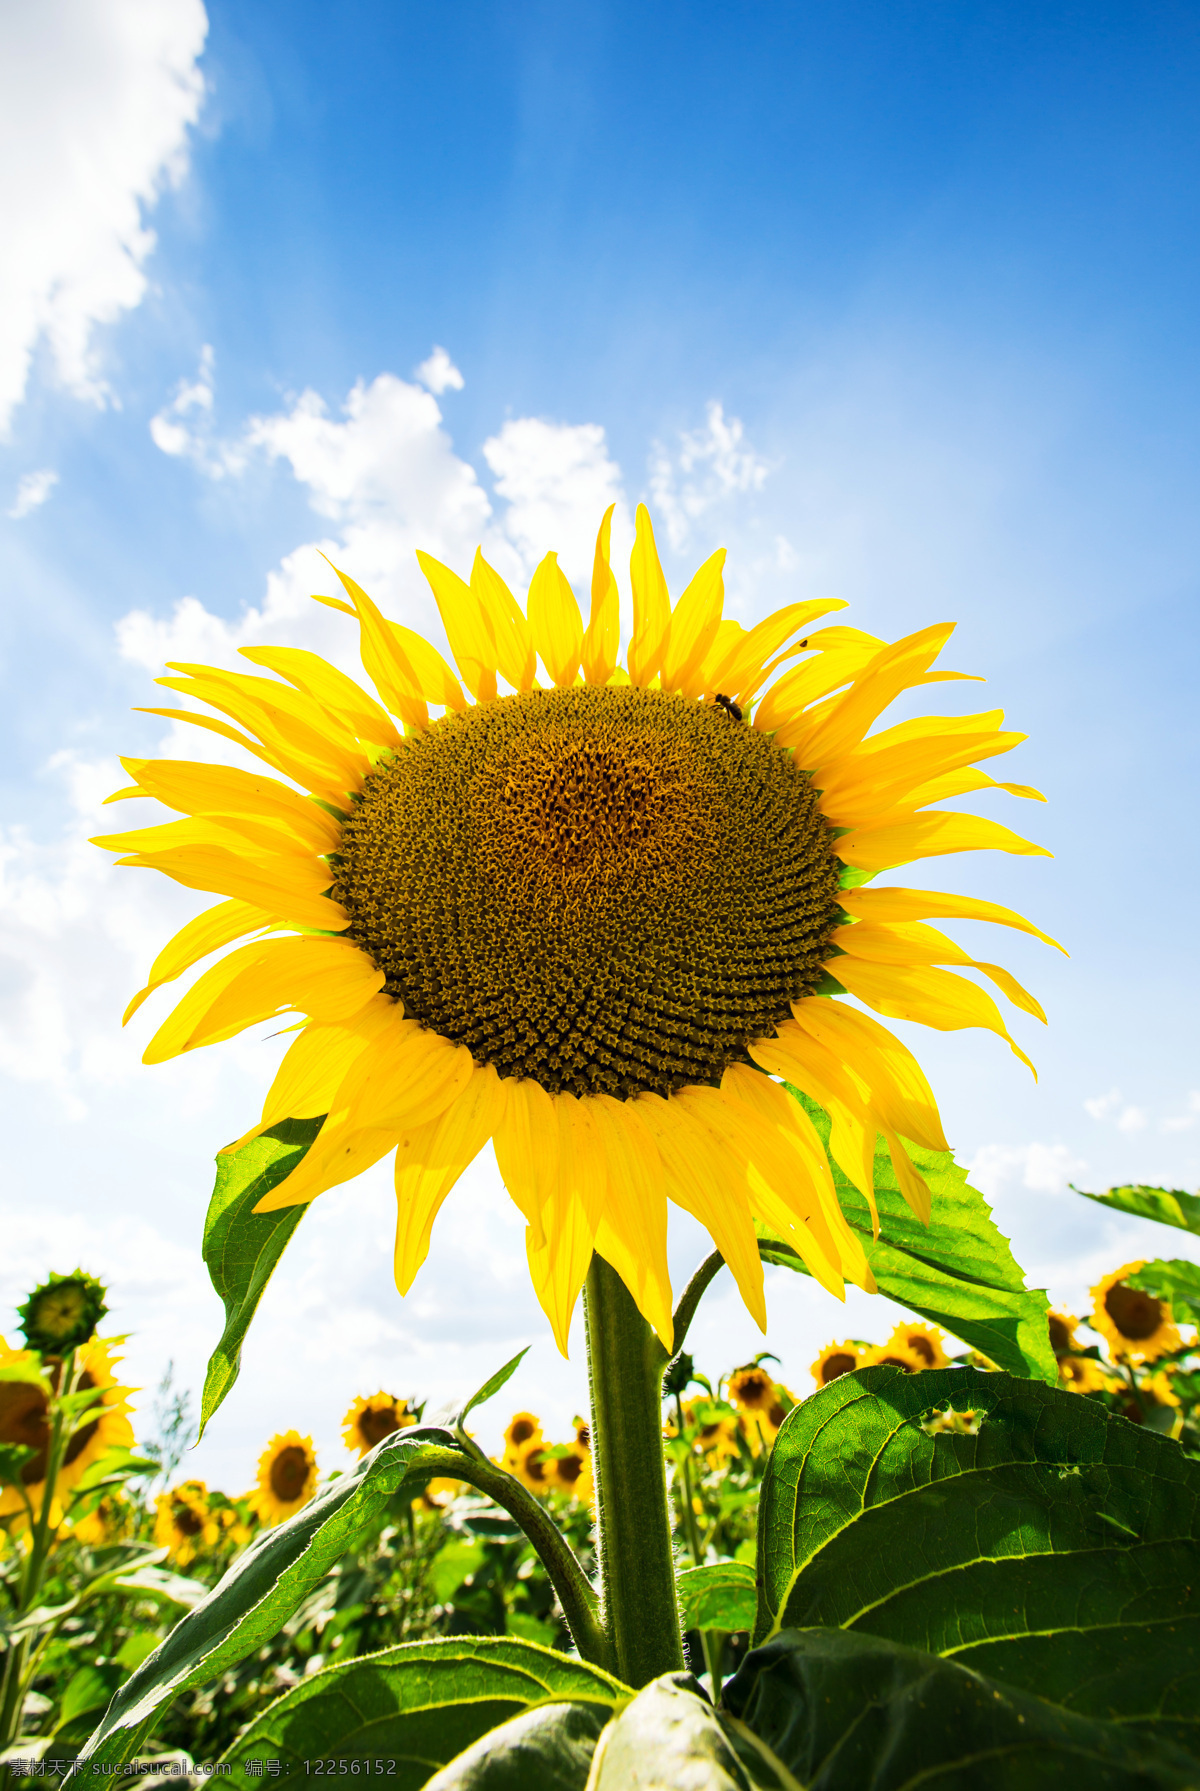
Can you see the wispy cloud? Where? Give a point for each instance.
(707, 467)
(1113, 1106)
(32, 489)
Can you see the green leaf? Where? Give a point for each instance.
(848, 1712)
(459, 1557)
(1177, 1282)
(719, 1596)
(423, 1703)
(550, 1747)
(264, 1586)
(1056, 1549)
(88, 1689)
(668, 1736)
(958, 1273)
(241, 1247)
(1168, 1205)
(493, 1386)
(13, 1457)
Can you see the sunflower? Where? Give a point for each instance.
(1080, 1374)
(185, 1523)
(895, 1354)
(926, 1340)
(751, 1388)
(597, 919)
(716, 1429)
(63, 1312)
(110, 1520)
(287, 1477)
(583, 1434)
(835, 1360)
(24, 1408)
(572, 1473)
(523, 1428)
(1062, 1332)
(1134, 1324)
(533, 1466)
(370, 1420)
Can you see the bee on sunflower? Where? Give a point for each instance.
(185, 1523)
(598, 919)
(286, 1479)
(1136, 1326)
(371, 1419)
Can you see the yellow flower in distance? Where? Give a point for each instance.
(716, 1429)
(1081, 1374)
(573, 1473)
(523, 1428)
(751, 1388)
(895, 1354)
(24, 1409)
(1133, 1324)
(370, 1420)
(835, 1360)
(925, 1340)
(581, 916)
(287, 1477)
(1062, 1331)
(184, 1522)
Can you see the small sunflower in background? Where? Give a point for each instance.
(369, 1420)
(532, 1465)
(287, 1477)
(925, 1341)
(751, 1388)
(716, 1426)
(1136, 1326)
(523, 1429)
(579, 916)
(583, 1434)
(437, 1493)
(185, 1523)
(571, 1473)
(26, 1388)
(112, 1519)
(835, 1360)
(1081, 1374)
(1062, 1327)
(62, 1314)
(895, 1354)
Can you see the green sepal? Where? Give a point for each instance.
(241, 1247)
(958, 1272)
(62, 1313)
(1054, 1549)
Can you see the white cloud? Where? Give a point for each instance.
(1113, 1106)
(32, 489)
(1044, 1168)
(95, 106)
(1183, 1122)
(558, 480)
(710, 466)
(439, 373)
(183, 427)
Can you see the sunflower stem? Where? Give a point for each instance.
(637, 1565)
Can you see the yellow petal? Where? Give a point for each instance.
(316, 1064)
(651, 604)
(387, 665)
(694, 1181)
(527, 1146)
(555, 621)
(810, 1066)
(327, 979)
(782, 710)
(515, 652)
(865, 783)
(893, 670)
(280, 761)
(929, 836)
(429, 1160)
(330, 687)
(281, 717)
(471, 640)
(747, 665)
(912, 1183)
(435, 680)
(694, 623)
(198, 789)
(931, 997)
(407, 1077)
(338, 1155)
(912, 942)
(636, 1218)
(206, 933)
(290, 888)
(895, 1081)
(931, 904)
(602, 638)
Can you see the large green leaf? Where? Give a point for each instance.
(423, 1703)
(669, 1736)
(1177, 1282)
(958, 1272)
(264, 1586)
(720, 1595)
(1167, 1205)
(549, 1747)
(848, 1712)
(241, 1247)
(1058, 1549)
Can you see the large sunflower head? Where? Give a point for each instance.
(185, 1523)
(369, 1420)
(63, 1312)
(1136, 1326)
(596, 913)
(287, 1477)
(24, 1418)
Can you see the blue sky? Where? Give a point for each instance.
(897, 301)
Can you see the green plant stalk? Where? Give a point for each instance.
(633, 1525)
(710, 1640)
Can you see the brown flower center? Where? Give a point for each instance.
(1136, 1315)
(605, 889)
(377, 1424)
(289, 1473)
(836, 1365)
